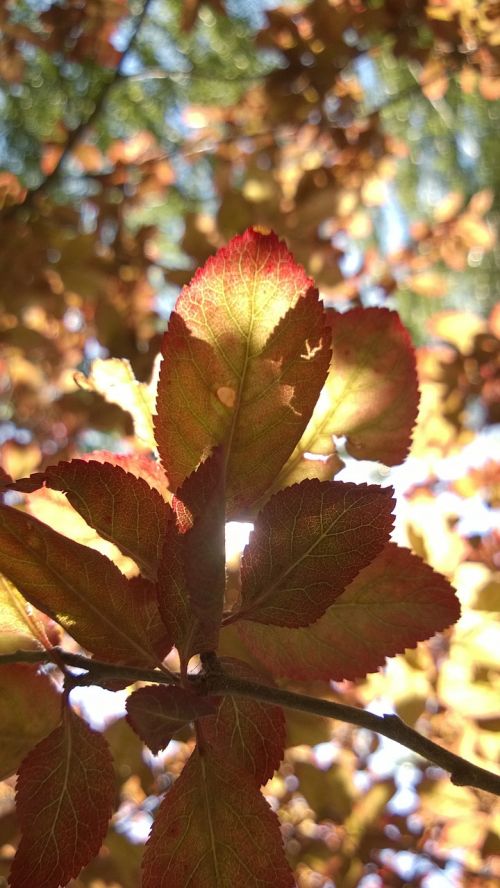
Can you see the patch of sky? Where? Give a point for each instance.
(92, 439)
(253, 12)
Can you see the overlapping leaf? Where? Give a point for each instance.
(248, 734)
(23, 723)
(309, 542)
(192, 571)
(214, 828)
(21, 627)
(65, 797)
(245, 357)
(157, 712)
(395, 602)
(371, 395)
(121, 506)
(113, 617)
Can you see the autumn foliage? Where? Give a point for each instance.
(255, 377)
(166, 386)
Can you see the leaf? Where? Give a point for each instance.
(24, 724)
(371, 395)
(157, 712)
(214, 828)
(245, 356)
(122, 508)
(248, 734)
(203, 543)
(309, 542)
(114, 379)
(395, 602)
(115, 618)
(191, 577)
(65, 798)
(21, 627)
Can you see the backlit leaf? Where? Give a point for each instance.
(157, 712)
(203, 544)
(115, 618)
(395, 602)
(21, 627)
(370, 396)
(65, 796)
(114, 379)
(191, 577)
(23, 724)
(309, 542)
(215, 828)
(245, 356)
(122, 508)
(248, 734)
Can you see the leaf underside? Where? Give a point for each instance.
(394, 603)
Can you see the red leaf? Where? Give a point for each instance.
(191, 577)
(373, 387)
(23, 724)
(245, 356)
(392, 604)
(157, 712)
(203, 544)
(215, 828)
(115, 618)
(371, 395)
(309, 542)
(122, 507)
(248, 734)
(65, 798)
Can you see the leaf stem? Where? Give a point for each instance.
(217, 682)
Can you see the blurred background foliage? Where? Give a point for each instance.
(136, 138)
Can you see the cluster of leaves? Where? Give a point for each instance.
(136, 140)
(323, 593)
(96, 190)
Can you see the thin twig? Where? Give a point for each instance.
(462, 772)
(76, 135)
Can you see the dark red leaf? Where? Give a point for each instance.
(215, 828)
(395, 602)
(157, 712)
(250, 735)
(309, 542)
(65, 797)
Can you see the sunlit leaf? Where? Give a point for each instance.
(114, 379)
(65, 797)
(191, 575)
(309, 542)
(392, 604)
(245, 357)
(370, 396)
(115, 618)
(122, 508)
(21, 627)
(214, 828)
(23, 723)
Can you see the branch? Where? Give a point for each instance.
(76, 135)
(215, 681)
